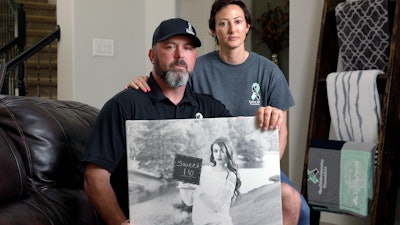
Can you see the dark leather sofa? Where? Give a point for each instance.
(41, 176)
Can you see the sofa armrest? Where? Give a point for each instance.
(51, 137)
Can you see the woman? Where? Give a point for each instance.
(219, 186)
(244, 81)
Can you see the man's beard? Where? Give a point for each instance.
(173, 78)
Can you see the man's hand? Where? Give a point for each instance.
(139, 82)
(269, 117)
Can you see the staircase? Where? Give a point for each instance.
(41, 75)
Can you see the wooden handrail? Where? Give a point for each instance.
(20, 27)
(55, 35)
(9, 45)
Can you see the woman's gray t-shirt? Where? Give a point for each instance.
(242, 88)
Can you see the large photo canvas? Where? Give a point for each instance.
(203, 171)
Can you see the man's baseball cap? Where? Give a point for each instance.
(173, 27)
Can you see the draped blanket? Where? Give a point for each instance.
(354, 105)
(363, 33)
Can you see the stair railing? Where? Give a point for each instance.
(12, 42)
(20, 59)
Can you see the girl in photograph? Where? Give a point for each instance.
(219, 186)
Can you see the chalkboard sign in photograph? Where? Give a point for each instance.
(187, 169)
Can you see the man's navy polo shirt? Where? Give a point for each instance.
(107, 145)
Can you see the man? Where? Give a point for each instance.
(173, 56)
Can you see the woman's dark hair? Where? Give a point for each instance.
(225, 144)
(219, 4)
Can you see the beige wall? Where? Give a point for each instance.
(130, 24)
(94, 79)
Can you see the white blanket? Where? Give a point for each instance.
(354, 105)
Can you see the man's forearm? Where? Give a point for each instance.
(102, 196)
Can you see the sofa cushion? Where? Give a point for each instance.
(73, 206)
(23, 213)
(51, 137)
(12, 171)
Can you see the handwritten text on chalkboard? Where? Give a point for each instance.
(187, 169)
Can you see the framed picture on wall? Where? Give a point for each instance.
(220, 170)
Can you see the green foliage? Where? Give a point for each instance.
(246, 148)
(155, 146)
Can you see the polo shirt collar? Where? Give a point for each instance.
(156, 94)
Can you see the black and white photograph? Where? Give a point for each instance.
(203, 171)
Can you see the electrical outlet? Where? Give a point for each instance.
(102, 47)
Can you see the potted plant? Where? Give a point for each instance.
(273, 29)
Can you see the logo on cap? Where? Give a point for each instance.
(190, 29)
